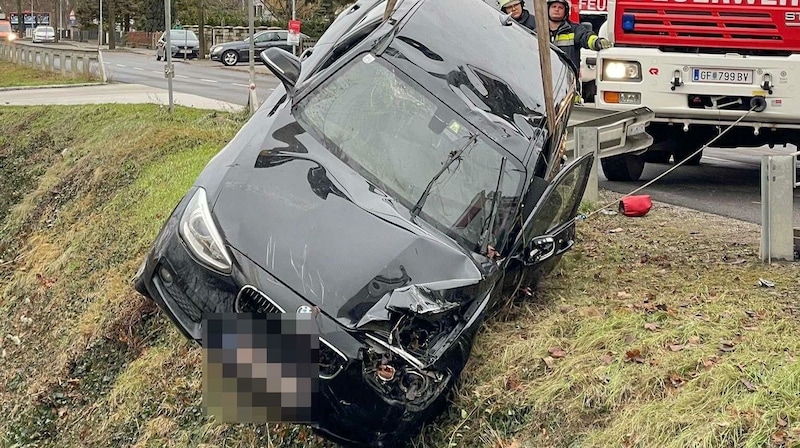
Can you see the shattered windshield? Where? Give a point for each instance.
(415, 149)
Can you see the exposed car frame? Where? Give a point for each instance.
(290, 217)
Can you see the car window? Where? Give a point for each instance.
(396, 136)
(560, 202)
(263, 37)
(5, 27)
(282, 35)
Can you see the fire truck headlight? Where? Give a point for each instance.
(622, 71)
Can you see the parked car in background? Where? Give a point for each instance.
(44, 34)
(231, 53)
(6, 34)
(394, 186)
(184, 44)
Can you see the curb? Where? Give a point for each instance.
(53, 86)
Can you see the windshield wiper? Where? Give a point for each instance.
(452, 157)
(488, 227)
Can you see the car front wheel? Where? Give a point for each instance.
(230, 57)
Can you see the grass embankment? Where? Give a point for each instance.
(652, 333)
(12, 75)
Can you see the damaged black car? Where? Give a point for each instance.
(400, 182)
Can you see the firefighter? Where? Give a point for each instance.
(571, 37)
(516, 9)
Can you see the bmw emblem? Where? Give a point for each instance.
(304, 309)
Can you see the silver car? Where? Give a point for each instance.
(44, 34)
(184, 44)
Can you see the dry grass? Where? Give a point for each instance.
(12, 75)
(653, 332)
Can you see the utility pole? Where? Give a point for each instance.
(541, 15)
(252, 99)
(294, 46)
(169, 70)
(100, 27)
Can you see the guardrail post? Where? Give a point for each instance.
(587, 141)
(777, 186)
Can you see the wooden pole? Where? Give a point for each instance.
(389, 8)
(540, 14)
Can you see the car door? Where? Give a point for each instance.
(549, 229)
(280, 41)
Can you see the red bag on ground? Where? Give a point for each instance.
(635, 205)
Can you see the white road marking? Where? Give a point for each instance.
(138, 68)
(208, 80)
(120, 65)
(182, 76)
(157, 72)
(240, 85)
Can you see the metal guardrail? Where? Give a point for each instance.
(66, 60)
(606, 134)
(778, 181)
(617, 132)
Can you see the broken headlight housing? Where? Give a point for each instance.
(199, 232)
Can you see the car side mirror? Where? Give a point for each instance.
(284, 65)
(539, 249)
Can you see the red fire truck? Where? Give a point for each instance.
(701, 65)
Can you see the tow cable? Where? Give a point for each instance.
(754, 106)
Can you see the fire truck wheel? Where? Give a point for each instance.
(623, 168)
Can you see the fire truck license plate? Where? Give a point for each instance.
(720, 75)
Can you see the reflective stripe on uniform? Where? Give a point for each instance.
(565, 40)
(592, 40)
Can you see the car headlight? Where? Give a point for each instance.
(622, 71)
(199, 232)
(215, 49)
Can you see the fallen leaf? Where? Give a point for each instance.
(629, 339)
(607, 359)
(676, 347)
(779, 438)
(727, 346)
(557, 352)
(549, 361)
(617, 230)
(782, 421)
(651, 326)
(513, 383)
(513, 444)
(693, 341)
(750, 386)
(676, 380)
(624, 295)
(709, 363)
(750, 328)
(634, 355)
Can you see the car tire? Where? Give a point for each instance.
(623, 168)
(684, 152)
(229, 58)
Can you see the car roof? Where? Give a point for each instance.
(485, 68)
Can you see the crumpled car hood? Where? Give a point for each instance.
(289, 216)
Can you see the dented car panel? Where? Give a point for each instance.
(396, 191)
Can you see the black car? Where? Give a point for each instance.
(396, 184)
(231, 53)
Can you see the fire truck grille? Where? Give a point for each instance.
(721, 26)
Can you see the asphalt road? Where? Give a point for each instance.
(727, 182)
(198, 77)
